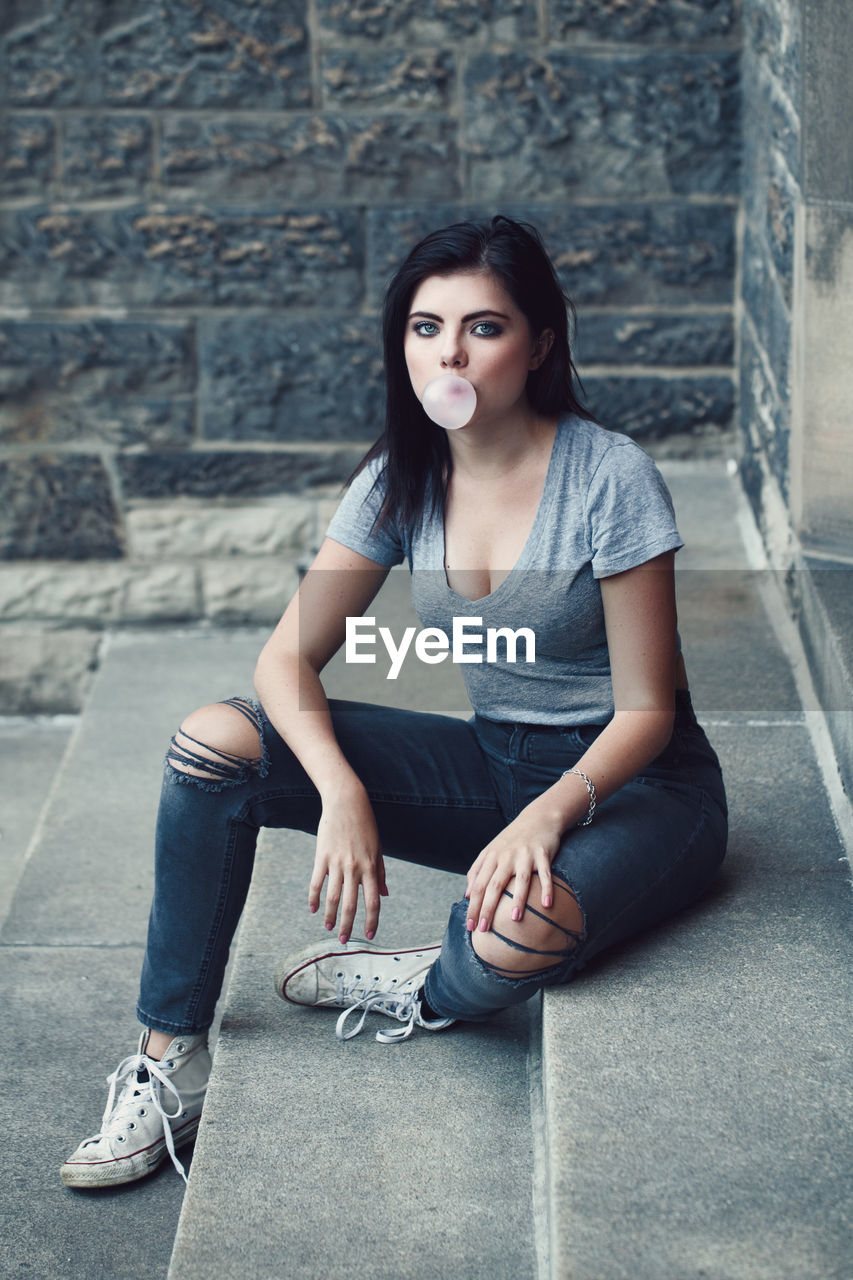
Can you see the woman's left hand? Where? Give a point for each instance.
(525, 847)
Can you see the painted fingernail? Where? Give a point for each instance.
(312, 909)
(516, 914)
(470, 925)
(370, 935)
(343, 937)
(484, 924)
(546, 901)
(330, 927)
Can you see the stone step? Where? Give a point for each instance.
(72, 943)
(823, 592)
(322, 1158)
(31, 752)
(695, 1080)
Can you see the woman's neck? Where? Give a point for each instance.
(490, 451)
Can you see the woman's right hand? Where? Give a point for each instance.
(349, 853)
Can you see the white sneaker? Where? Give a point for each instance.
(138, 1131)
(359, 975)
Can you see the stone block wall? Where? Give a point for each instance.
(200, 207)
(796, 327)
(772, 194)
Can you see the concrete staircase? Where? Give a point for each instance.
(681, 1110)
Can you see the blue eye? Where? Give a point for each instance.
(420, 325)
(493, 329)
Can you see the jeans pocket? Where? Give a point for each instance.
(561, 749)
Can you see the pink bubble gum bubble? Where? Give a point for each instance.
(449, 400)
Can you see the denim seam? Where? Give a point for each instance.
(219, 914)
(446, 802)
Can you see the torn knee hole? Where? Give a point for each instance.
(220, 743)
(543, 938)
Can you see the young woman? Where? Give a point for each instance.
(582, 798)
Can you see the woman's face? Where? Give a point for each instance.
(467, 323)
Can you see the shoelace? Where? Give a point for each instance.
(404, 1007)
(150, 1094)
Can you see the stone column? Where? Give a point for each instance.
(822, 417)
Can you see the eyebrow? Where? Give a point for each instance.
(474, 315)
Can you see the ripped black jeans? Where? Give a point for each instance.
(441, 788)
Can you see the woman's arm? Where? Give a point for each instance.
(640, 620)
(340, 583)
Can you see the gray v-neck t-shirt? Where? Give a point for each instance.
(605, 508)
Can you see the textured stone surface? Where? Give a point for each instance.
(717, 1126)
(654, 339)
(57, 506)
(389, 77)
(258, 170)
(137, 256)
(57, 591)
(27, 144)
(176, 53)
(764, 301)
(56, 417)
(772, 32)
(770, 110)
(233, 473)
(343, 1146)
(92, 869)
(824, 599)
(193, 527)
(100, 594)
(652, 20)
(106, 155)
(31, 749)
(622, 255)
(781, 198)
(413, 20)
(772, 148)
(90, 882)
(48, 993)
(764, 415)
(654, 408)
(161, 593)
(828, 101)
(275, 379)
(45, 671)
(827, 464)
(247, 590)
(329, 157)
(120, 382)
(566, 124)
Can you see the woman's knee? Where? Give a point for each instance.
(542, 938)
(219, 743)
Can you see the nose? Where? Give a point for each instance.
(453, 356)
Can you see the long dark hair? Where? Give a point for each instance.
(419, 458)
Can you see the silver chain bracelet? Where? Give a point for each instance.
(590, 786)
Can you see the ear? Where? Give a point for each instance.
(543, 345)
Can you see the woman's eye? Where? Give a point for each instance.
(492, 329)
(421, 325)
